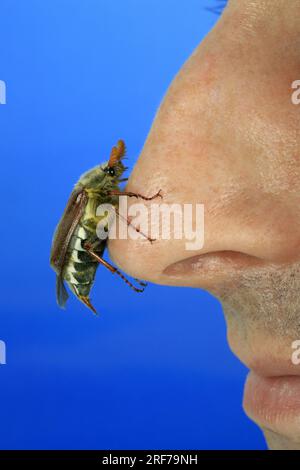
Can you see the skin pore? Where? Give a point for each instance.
(227, 135)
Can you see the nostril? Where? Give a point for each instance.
(214, 261)
(218, 272)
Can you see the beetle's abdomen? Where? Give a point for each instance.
(80, 268)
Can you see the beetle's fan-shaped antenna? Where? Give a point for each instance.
(117, 153)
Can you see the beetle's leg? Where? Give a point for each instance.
(135, 228)
(141, 283)
(137, 195)
(110, 267)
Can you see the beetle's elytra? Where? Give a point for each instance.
(76, 250)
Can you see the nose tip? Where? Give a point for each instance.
(242, 229)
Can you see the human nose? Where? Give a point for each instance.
(197, 155)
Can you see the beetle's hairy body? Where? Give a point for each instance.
(78, 228)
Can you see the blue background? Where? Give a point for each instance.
(154, 370)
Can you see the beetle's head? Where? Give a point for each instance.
(108, 174)
(114, 168)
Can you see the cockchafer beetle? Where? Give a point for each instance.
(76, 249)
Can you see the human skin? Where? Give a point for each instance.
(227, 135)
